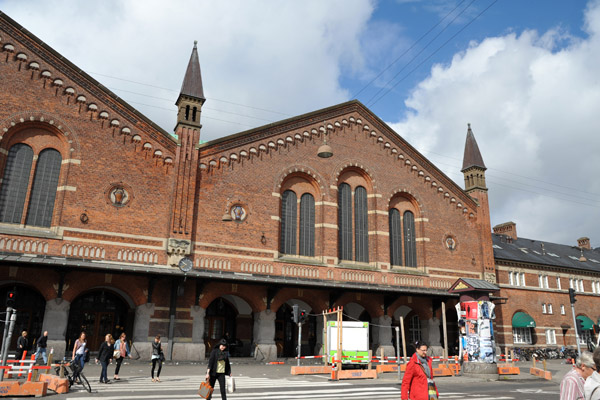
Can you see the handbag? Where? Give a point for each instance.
(161, 357)
(205, 390)
(432, 393)
(117, 354)
(230, 383)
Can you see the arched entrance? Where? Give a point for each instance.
(97, 313)
(30, 306)
(220, 323)
(286, 331)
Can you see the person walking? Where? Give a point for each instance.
(121, 351)
(157, 358)
(80, 351)
(571, 386)
(417, 383)
(218, 368)
(105, 353)
(22, 345)
(42, 343)
(591, 388)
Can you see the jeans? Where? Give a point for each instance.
(222, 386)
(41, 351)
(80, 362)
(103, 377)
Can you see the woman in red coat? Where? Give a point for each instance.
(417, 383)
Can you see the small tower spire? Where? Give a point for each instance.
(191, 98)
(473, 167)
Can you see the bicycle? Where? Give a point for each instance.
(75, 370)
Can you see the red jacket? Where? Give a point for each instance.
(414, 382)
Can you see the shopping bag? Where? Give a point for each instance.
(230, 384)
(205, 390)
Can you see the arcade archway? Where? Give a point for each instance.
(30, 306)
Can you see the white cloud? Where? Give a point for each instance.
(533, 102)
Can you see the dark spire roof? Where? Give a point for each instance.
(472, 157)
(192, 83)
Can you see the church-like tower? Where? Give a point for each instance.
(474, 171)
(189, 107)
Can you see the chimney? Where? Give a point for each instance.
(584, 243)
(509, 229)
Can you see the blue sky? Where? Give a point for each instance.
(523, 73)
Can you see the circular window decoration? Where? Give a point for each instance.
(119, 195)
(238, 213)
(450, 242)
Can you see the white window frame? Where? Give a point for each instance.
(581, 289)
(558, 283)
(522, 279)
(522, 335)
(584, 336)
(549, 308)
(546, 282)
(510, 279)
(562, 309)
(541, 281)
(543, 308)
(550, 336)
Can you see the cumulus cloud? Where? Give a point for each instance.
(533, 101)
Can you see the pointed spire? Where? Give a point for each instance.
(472, 157)
(192, 83)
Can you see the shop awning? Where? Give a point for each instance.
(587, 323)
(522, 320)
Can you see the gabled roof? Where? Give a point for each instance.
(470, 284)
(472, 156)
(192, 82)
(545, 253)
(234, 141)
(60, 63)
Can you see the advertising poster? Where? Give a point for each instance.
(475, 320)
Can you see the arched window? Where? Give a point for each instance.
(43, 190)
(345, 221)
(361, 233)
(395, 237)
(410, 247)
(15, 186)
(307, 225)
(15, 183)
(289, 216)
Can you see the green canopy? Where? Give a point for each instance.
(587, 323)
(522, 320)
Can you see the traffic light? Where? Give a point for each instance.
(572, 296)
(303, 316)
(11, 298)
(579, 326)
(295, 314)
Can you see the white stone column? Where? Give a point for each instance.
(264, 336)
(382, 336)
(431, 334)
(319, 343)
(56, 318)
(141, 330)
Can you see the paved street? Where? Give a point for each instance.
(270, 382)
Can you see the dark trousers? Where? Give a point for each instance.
(154, 362)
(103, 377)
(119, 361)
(222, 386)
(79, 362)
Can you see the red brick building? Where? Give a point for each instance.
(99, 206)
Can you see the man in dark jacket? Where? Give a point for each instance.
(22, 345)
(42, 343)
(218, 368)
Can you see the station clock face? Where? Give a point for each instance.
(185, 264)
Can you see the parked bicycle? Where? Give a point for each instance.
(75, 376)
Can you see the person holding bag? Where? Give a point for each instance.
(105, 353)
(121, 351)
(218, 368)
(417, 383)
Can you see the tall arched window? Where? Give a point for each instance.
(395, 237)
(307, 225)
(361, 233)
(345, 221)
(43, 190)
(289, 216)
(410, 247)
(15, 183)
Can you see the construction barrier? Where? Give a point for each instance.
(353, 374)
(311, 370)
(388, 368)
(15, 388)
(55, 383)
(542, 373)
